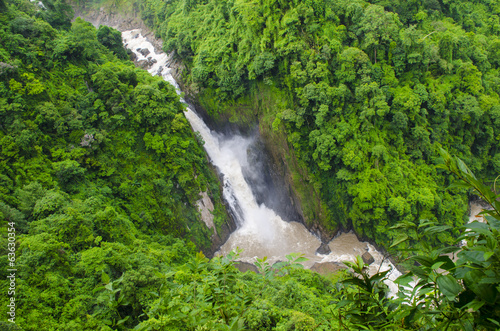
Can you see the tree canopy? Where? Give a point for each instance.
(100, 172)
(364, 92)
(99, 169)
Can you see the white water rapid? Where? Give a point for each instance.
(260, 231)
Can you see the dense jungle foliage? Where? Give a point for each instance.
(100, 172)
(99, 169)
(365, 92)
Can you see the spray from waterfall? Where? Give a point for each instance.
(261, 232)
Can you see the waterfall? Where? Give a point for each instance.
(260, 231)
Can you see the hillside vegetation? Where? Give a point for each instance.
(363, 91)
(99, 175)
(99, 169)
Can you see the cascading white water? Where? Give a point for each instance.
(260, 231)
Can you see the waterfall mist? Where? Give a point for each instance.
(261, 231)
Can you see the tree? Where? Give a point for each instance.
(377, 27)
(437, 292)
(58, 13)
(112, 39)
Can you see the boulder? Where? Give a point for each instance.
(367, 258)
(245, 266)
(132, 56)
(325, 268)
(143, 51)
(143, 64)
(324, 249)
(151, 61)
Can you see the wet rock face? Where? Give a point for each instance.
(206, 207)
(268, 184)
(321, 232)
(324, 249)
(117, 20)
(143, 64)
(367, 258)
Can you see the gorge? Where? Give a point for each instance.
(261, 232)
(125, 197)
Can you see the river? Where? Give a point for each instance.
(261, 232)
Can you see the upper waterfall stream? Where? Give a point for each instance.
(261, 232)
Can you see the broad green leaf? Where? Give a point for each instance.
(424, 223)
(97, 289)
(448, 264)
(447, 250)
(475, 304)
(425, 291)
(485, 291)
(342, 303)
(105, 278)
(402, 237)
(462, 166)
(487, 255)
(404, 280)
(109, 287)
(403, 224)
(493, 222)
(459, 185)
(478, 227)
(379, 276)
(490, 280)
(471, 256)
(279, 265)
(448, 286)
(120, 322)
(461, 272)
(301, 259)
(424, 260)
(436, 229)
(437, 265)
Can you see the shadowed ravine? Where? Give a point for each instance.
(261, 232)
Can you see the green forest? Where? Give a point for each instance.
(384, 112)
(362, 92)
